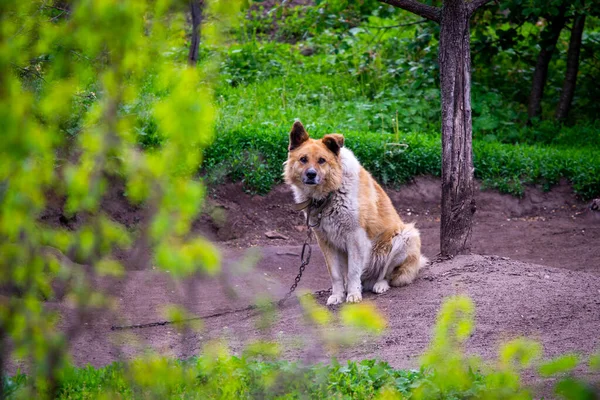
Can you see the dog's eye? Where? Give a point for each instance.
(303, 159)
(321, 160)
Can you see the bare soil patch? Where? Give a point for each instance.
(552, 228)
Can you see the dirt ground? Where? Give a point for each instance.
(551, 228)
(534, 272)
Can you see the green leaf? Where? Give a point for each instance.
(559, 365)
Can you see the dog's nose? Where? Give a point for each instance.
(311, 173)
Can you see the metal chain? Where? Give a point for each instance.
(306, 249)
(304, 261)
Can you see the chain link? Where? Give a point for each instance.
(306, 248)
(304, 260)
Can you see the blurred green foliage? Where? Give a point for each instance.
(229, 377)
(70, 78)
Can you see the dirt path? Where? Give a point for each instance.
(557, 303)
(560, 308)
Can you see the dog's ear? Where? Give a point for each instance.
(334, 142)
(298, 135)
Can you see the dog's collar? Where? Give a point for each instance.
(313, 204)
(313, 207)
(303, 205)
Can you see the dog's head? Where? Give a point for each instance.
(314, 166)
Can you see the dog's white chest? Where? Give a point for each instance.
(338, 222)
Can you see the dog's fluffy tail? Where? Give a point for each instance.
(408, 270)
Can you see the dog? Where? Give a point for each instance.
(363, 239)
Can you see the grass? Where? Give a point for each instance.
(346, 74)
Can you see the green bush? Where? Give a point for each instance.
(255, 156)
(360, 79)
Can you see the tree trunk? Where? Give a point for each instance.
(568, 91)
(196, 7)
(548, 44)
(458, 203)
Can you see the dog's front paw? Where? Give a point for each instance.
(354, 297)
(336, 298)
(381, 286)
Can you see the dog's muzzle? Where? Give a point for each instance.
(310, 177)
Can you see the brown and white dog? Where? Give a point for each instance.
(364, 241)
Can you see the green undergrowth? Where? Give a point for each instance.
(254, 156)
(352, 74)
(377, 88)
(203, 377)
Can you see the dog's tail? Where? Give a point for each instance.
(406, 272)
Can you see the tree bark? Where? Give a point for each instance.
(196, 7)
(458, 203)
(540, 75)
(568, 90)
